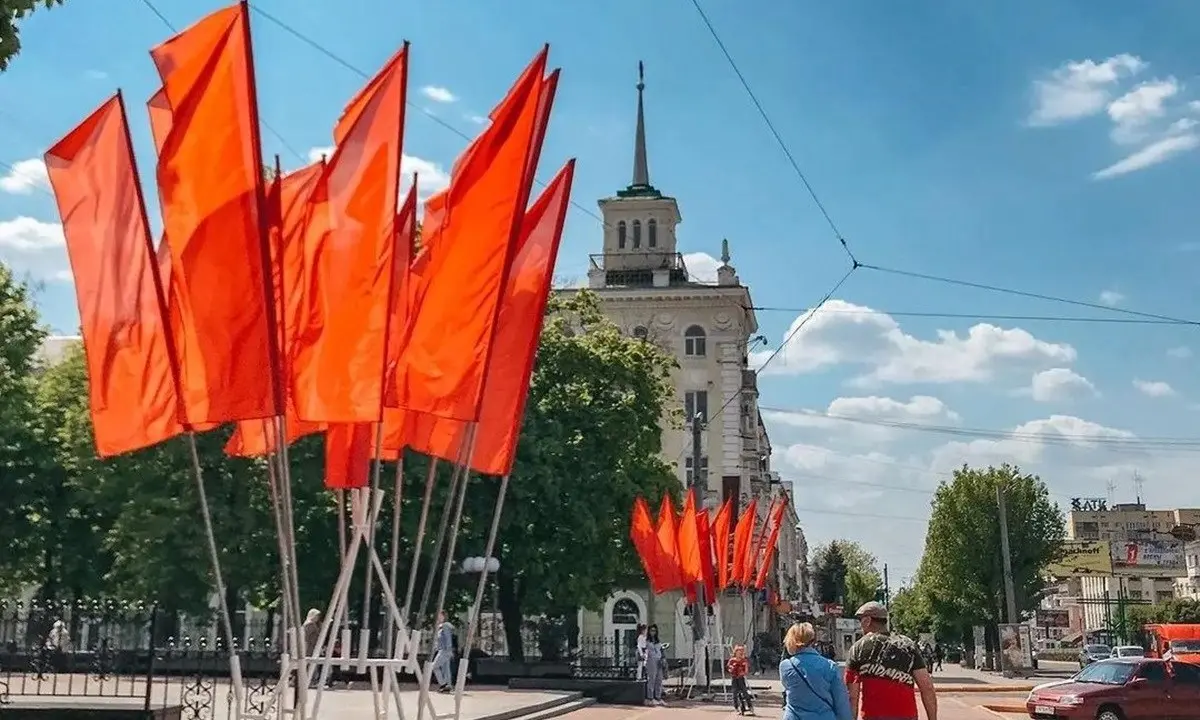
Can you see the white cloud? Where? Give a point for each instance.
(1059, 384)
(1026, 443)
(1182, 352)
(1079, 89)
(845, 333)
(1153, 154)
(1111, 298)
(34, 247)
(839, 418)
(438, 94)
(431, 177)
(25, 177)
(477, 119)
(1154, 388)
(1136, 110)
(701, 267)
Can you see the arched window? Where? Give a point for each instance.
(693, 342)
(621, 235)
(625, 612)
(640, 332)
(652, 233)
(637, 234)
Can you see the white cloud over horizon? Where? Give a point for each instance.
(35, 248)
(1154, 388)
(1059, 384)
(25, 177)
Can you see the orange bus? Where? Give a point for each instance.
(1174, 641)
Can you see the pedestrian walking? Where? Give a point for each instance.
(813, 688)
(444, 658)
(882, 669)
(737, 667)
(308, 633)
(939, 654)
(656, 666)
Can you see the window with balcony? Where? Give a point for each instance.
(694, 344)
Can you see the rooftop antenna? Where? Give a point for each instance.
(1112, 492)
(1138, 482)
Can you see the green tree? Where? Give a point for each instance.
(910, 612)
(961, 567)
(830, 573)
(1176, 610)
(863, 579)
(22, 456)
(590, 443)
(11, 11)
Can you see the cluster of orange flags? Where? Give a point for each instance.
(691, 550)
(298, 302)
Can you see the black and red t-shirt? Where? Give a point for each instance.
(883, 667)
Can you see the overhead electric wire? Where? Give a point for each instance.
(812, 192)
(847, 513)
(983, 316)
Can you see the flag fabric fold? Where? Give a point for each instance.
(742, 541)
(132, 391)
(641, 532)
(666, 535)
(690, 564)
(209, 173)
(348, 455)
(720, 533)
(774, 522)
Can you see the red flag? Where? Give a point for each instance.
(641, 532)
(742, 538)
(704, 533)
(720, 528)
(451, 339)
(131, 384)
(775, 522)
(212, 196)
(339, 365)
(518, 328)
(348, 455)
(690, 564)
(291, 207)
(668, 547)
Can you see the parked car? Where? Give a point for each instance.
(1089, 654)
(1126, 651)
(1121, 688)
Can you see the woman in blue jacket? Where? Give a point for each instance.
(813, 686)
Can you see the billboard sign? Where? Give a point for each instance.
(1053, 617)
(1149, 556)
(1084, 557)
(1016, 648)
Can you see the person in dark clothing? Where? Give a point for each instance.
(939, 654)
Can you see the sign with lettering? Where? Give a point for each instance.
(1089, 504)
(1147, 555)
(1083, 557)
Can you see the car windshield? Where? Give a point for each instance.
(1097, 649)
(1106, 673)
(1130, 651)
(1186, 646)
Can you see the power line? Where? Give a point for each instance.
(847, 513)
(1140, 443)
(1027, 294)
(331, 55)
(275, 133)
(984, 316)
(812, 193)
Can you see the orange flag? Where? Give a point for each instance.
(340, 357)
(754, 551)
(518, 328)
(641, 532)
(720, 536)
(131, 386)
(667, 559)
(291, 208)
(348, 455)
(212, 196)
(689, 543)
(742, 538)
(775, 522)
(451, 339)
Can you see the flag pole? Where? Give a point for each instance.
(430, 478)
(394, 548)
(489, 548)
(235, 670)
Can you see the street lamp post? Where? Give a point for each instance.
(474, 565)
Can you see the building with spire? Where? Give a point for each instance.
(645, 287)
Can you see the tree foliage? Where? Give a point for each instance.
(846, 574)
(12, 11)
(1175, 610)
(130, 527)
(961, 569)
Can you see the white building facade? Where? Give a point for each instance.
(644, 286)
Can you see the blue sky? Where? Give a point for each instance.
(968, 140)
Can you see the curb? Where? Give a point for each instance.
(1012, 709)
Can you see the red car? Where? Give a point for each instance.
(1130, 688)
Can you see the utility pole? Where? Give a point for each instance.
(699, 615)
(887, 595)
(1010, 595)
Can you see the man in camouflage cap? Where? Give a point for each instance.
(882, 669)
